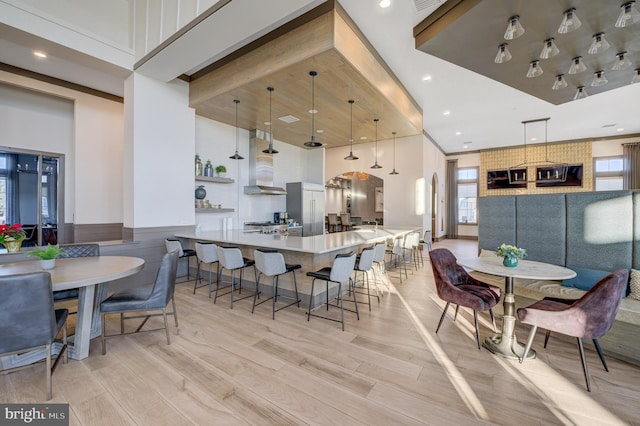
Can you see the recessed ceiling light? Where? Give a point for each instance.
(40, 54)
(313, 111)
(534, 139)
(385, 3)
(458, 133)
(267, 123)
(620, 129)
(466, 144)
(320, 131)
(446, 112)
(363, 138)
(426, 77)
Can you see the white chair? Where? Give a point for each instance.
(271, 263)
(338, 273)
(172, 244)
(207, 254)
(396, 257)
(426, 240)
(230, 258)
(364, 264)
(379, 272)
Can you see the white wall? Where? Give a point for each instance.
(434, 163)
(93, 170)
(159, 152)
(215, 141)
(399, 190)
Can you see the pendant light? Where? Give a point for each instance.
(351, 156)
(313, 143)
(237, 156)
(376, 165)
(394, 155)
(270, 149)
(514, 28)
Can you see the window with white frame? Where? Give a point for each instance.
(608, 173)
(468, 195)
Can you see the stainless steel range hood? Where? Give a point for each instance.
(261, 167)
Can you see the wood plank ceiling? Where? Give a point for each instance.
(347, 68)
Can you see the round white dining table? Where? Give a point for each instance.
(83, 273)
(505, 343)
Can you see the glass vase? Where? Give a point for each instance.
(510, 261)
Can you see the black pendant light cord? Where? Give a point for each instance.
(237, 156)
(394, 155)
(351, 156)
(312, 143)
(270, 149)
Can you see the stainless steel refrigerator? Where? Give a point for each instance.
(305, 204)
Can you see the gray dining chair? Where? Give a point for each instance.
(75, 250)
(143, 299)
(28, 320)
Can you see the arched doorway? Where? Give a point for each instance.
(358, 193)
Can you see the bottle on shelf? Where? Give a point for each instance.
(208, 169)
(198, 166)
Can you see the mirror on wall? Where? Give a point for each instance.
(31, 194)
(358, 193)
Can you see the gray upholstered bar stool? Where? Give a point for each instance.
(172, 244)
(338, 273)
(230, 258)
(271, 263)
(332, 222)
(364, 264)
(207, 253)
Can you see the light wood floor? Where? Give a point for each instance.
(231, 367)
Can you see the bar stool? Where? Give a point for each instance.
(271, 263)
(345, 222)
(230, 258)
(172, 244)
(338, 273)
(332, 222)
(208, 254)
(380, 268)
(395, 253)
(364, 264)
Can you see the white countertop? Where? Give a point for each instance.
(317, 244)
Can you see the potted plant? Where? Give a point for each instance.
(221, 170)
(11, 236)
(48, 255)
(510, 254)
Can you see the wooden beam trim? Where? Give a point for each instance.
(316, 37)
(355, 52)
(441, 19)
(267, 38)
(58, 82)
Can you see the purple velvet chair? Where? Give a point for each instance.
(589, 317)
(455, 286)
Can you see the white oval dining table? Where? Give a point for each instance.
(83, 273)
(505, 343)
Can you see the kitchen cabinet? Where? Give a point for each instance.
(305, 204)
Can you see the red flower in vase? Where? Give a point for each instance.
(14, 231)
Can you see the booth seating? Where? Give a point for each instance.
(589, 232)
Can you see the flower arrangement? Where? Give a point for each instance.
(48, 253)
(511, 254)
(11, 232)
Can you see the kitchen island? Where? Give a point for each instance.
(312, 253)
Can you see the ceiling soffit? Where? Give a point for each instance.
(468, 33)
(347, 69)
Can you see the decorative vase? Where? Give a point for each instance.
(208, 169)
(47, 263)
(198, 166)
(200, 192)
(13, 245)
(510, 261)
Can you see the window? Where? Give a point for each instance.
(468, 195)
(608, 173)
